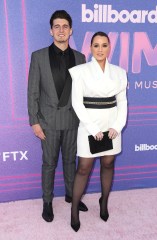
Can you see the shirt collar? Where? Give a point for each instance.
(59, 51)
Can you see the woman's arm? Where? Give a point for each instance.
(121, 106)
(77, 102)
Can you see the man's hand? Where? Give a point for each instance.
(38, 131)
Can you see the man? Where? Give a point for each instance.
(50, 112)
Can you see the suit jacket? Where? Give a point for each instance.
(43, 102)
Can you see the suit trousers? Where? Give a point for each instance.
(56, 140)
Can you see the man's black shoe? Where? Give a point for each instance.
(47, 212)
(82, 207)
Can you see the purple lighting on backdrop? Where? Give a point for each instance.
(9, 59)
(133, 47)
(25, 37)
(25, 42)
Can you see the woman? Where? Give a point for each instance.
(99, 100)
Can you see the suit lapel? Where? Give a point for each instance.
(68, 83)
(53, 68)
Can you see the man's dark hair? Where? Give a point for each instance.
(102, 34)
(61, 14)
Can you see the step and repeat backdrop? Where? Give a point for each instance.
(132, 28)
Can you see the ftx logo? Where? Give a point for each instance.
(14, 155)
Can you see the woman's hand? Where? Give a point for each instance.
(99, 136)
(112, 133)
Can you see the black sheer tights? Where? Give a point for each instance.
(81, 178)
(106, 176)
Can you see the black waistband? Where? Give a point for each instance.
(99, 103)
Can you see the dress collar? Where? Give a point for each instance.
(107, 67)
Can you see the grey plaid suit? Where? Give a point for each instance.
(58, 123)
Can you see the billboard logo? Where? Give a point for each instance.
(105, 13)
(145, 147)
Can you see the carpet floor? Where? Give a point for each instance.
(133, 216)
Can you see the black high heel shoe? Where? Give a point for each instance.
(75, 226)
(103, 216)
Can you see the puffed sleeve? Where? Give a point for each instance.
(77, 101)
(121, 105)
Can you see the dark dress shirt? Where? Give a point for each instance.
(59, 67)
(60, 62)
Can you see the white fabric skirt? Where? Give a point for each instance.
(104, 118)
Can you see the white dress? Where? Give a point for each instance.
(90, 81)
